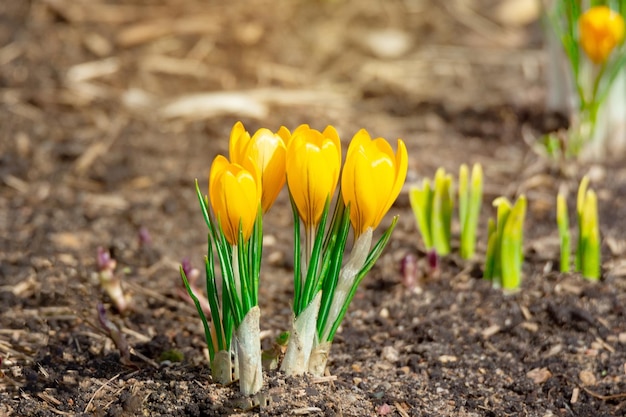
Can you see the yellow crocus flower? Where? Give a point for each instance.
(313, 167)
(235, 194)
(268, 151)
(601, 30)
(372, 179)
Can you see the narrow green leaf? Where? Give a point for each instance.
(205, 324)
(223, 341)
(469, 223)
(224, 254)
(239, 256)
(464, 193)
(371, 259)
(203, 206)
(315, 265)
(255, 254)
(580, 201)
(512, 246)
(441, 215)
(590, 267)
(564, 233)
(503, 206)
(297, 257)
(421, 204)
(334, 259)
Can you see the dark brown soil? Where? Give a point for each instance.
(94, 155)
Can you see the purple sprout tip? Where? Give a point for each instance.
(433, 259)
(408, 270)
(103, 258)
(144, 236)
(105, 261)
(186, 264)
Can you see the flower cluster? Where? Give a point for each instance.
(242, 188)
(601, 30)
(593, 41)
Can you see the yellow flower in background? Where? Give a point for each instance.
(372, 179)
(601, 30)
(268, 151)
(235, 194)
(313, 167)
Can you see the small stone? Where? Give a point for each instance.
(384, 313)
(596, 346)
(575, 394)
(388, 43)
(587, 378)
(390, 354)
(384, 409)
(276, 258)
(269, 241)
(622, 338)
(447, 358)
(539, 375)
(530, 326)
(490, 331)
(518, 13)
(554, 350)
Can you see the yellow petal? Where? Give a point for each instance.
(313, 166)
(239, 139)
(235, 194)
(267, 150)
(372, 179)
(601, 30)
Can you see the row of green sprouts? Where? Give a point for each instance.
(433, 205)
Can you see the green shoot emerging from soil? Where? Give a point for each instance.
(588, 248)
(562, 220)
(432, 206)
(503, 261)
(470, 200)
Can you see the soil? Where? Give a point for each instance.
(100, 145)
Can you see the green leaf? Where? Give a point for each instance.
(590, 232)
(241, 274)
(441, 215)
(223, 338)
(255, 254)
(297, 256)
(580, 202)
(315, 266)
(503, 206)
(333, 258)
(371, 259)
(471, 216)
(205, 324)
(421, 204)
(512, 246)
(463, 193)
(564, 233)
